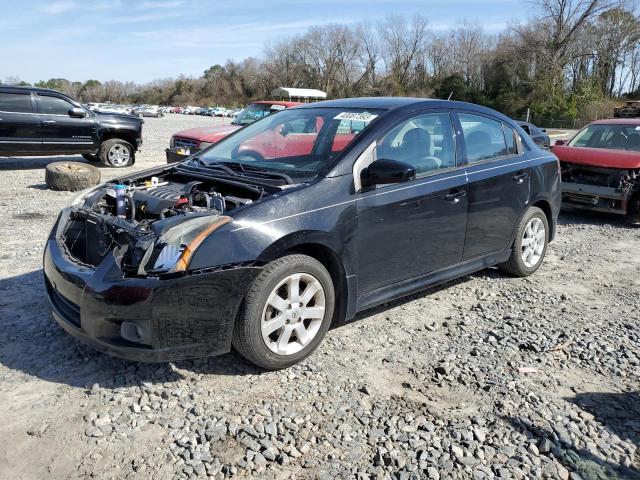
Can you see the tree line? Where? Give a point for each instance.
(571, 59)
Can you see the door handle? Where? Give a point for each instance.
(455, 196)
(520, 178)
(48, 122)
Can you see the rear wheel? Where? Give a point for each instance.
(530, 244)
(286, 312)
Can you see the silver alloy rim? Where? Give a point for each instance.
(119, 155)
(533, 240)
(293, 314)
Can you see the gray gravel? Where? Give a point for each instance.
(486, 377)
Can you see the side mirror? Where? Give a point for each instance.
(77, 112)
(385, 171)
(560, 142)
(283, 130)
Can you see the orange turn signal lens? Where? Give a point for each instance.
(189, 250)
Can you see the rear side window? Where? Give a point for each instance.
(510, 137)
(53, 105)
(483, 137)
(15, 102)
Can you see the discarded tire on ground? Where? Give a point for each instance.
(71, 176)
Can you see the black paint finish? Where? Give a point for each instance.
(380, 243)
(41, 133)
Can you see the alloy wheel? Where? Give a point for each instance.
(533, 242)
(119, 155)
(293, 314)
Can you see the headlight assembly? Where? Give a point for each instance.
(180, 243)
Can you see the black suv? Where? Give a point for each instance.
(37, 121)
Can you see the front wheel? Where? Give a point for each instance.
(286, 312)
(530, 244)
(116, 153)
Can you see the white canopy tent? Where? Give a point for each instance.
(298, 94)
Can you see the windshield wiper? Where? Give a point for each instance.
(255, 169)
(197, 161)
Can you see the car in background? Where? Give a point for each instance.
(112, 108)
(196, 139)
(601, 167)
(539, 135)
(266, 254)
(630, 109)
(38, 121)
(148, 111)
(218, 111)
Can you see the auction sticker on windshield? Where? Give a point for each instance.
(361, 116)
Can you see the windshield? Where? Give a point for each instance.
(298, 142)
(617, 137)
(254, 112)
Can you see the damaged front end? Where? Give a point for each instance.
(151, 225)
(122, 284)
(602, 189)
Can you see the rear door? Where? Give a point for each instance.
(498, 176)
(60, 132)
(19, 126)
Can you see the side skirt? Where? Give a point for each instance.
(407, 287)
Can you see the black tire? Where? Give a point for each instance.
(90, 157)
(515, 265)
(71, 176)
(247, 333)
(107, 145)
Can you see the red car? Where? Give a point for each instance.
(196, 139)
(601, 167)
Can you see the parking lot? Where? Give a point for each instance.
(485, 377)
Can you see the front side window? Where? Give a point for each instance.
(298, 142)
(483, 137)
(618, 137)
(426, 142)
(53, 105)
(15, 102)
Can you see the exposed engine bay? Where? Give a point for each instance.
(599, 188)
(155, 198)
(149, 221)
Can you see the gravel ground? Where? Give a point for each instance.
(486, 377)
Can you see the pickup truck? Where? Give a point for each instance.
(38, 121)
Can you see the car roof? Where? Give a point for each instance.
(617, 121)
(29, 89)
(384, 103)
(405, 104)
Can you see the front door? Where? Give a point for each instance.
(410, 229)
(498, 175)
(19, 126)
(60, 132)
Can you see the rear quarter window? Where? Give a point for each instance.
(15, 102)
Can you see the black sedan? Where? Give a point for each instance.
(539, 135)
(299, 220)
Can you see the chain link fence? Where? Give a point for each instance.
(557, 123)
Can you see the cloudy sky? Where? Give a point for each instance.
(143, 40)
